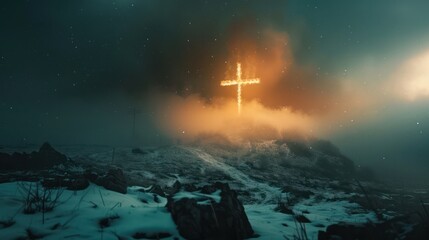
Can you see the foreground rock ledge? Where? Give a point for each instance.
(225, 219)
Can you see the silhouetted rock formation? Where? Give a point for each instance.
(223, 220)
(45, 158)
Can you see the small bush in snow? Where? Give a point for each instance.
(36, 198)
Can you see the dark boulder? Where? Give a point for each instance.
(78, 184)
(224, 220)
(114, 180)
(53, 182)
(90, 175)
(348, 231)
(189, 187)
(156, 189)
(284, 208)
(156, 235)
(175, 188)
(209, 189)
(395, 228)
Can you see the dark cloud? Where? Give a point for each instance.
(81, 49)
(87, 49)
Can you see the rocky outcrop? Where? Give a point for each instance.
(401, 227)
(48, 156)
(346, 231)
(156, 189)
(114, 180)
(45, 158)
(217, 220)
(173, 189)
(78, 184)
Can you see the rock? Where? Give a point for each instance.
(347, 231)
(224, 220)
(45, 158)
(78, 184)
(157, 235)
(395, 228)
(190, 187)
(209, 189)
(175, 188)
(138, 151)
(157, 190)
(114, 181)
(46, 150)
(283, 208)
(90, 175)
(187, 215)
(156, 198)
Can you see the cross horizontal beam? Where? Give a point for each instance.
(241, 82)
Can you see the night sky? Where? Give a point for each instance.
(72, 71)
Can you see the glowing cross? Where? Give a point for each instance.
(239, 82)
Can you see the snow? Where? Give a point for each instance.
(262, 192)
(138, 212)
(275, 225)
(79, 219)
(201, 198)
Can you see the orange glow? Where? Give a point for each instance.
(285, 83)
(412, 78)
(294, 98)
(188, 118)
(239, 82)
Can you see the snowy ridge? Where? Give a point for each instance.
(256, 172)
(262, 192)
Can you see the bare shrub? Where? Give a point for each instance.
(36, 198)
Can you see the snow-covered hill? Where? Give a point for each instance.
(277, 181)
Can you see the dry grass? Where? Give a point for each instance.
(36, 198)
